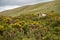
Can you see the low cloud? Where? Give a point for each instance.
(9, 4)
(19, 2)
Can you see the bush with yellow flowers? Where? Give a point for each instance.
(30, 27)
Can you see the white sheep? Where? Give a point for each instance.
(42, 15)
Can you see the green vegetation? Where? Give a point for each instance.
(25, 23)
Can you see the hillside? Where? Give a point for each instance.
(32, 22)
(37, 8)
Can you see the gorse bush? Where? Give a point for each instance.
(30, 27)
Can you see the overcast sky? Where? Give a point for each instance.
(9, 4)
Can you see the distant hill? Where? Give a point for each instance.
(37, 8)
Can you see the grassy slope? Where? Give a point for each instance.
(31, 26)
(37, 8)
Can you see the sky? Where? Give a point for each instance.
(11, 4)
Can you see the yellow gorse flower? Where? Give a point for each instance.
(1, 27)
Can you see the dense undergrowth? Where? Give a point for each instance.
(30, 27)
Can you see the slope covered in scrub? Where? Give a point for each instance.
(33, 22)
